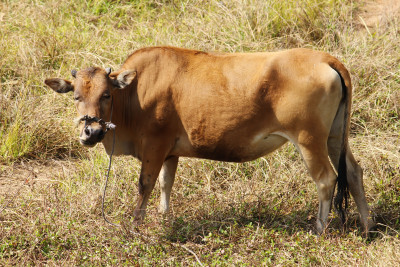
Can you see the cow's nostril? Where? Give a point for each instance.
(87, 131)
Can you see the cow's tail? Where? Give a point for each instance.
(343, 114)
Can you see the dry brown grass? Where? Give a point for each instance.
(257, 213)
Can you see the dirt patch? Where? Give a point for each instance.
(378, 12)
(20, 177)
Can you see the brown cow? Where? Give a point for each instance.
(169, 102)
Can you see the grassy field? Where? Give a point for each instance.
(256, 213)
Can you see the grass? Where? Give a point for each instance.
(256, 213)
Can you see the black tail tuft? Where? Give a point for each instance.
(342, 187)
(342, 194)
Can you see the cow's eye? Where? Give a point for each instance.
(77, 98)
(106, 96)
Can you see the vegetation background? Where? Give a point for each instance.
(256, 213)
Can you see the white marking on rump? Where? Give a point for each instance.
(258, 138)
(287, 137)
(264, 143)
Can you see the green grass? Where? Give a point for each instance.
(256, 213)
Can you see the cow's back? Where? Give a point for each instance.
(219, 104)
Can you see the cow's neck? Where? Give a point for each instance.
(124, 116)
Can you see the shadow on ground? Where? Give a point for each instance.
(234, 221)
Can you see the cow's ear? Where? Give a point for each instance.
(59, 85)
(122, 79)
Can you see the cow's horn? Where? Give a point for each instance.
(73, 73)
(108, 70)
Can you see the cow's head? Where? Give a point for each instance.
(93, 89)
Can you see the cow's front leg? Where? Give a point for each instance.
(166, 178)
(151, 166)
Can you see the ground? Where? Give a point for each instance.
(257, 213)
(18, 177)
(377, 12)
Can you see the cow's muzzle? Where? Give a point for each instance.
(91, 135)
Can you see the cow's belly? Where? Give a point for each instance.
(233, 150)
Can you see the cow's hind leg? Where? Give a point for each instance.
(354, 179)
(315, 154)
(356, 186)
(166, 178)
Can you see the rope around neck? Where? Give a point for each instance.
(105, 186)
(109, 126)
